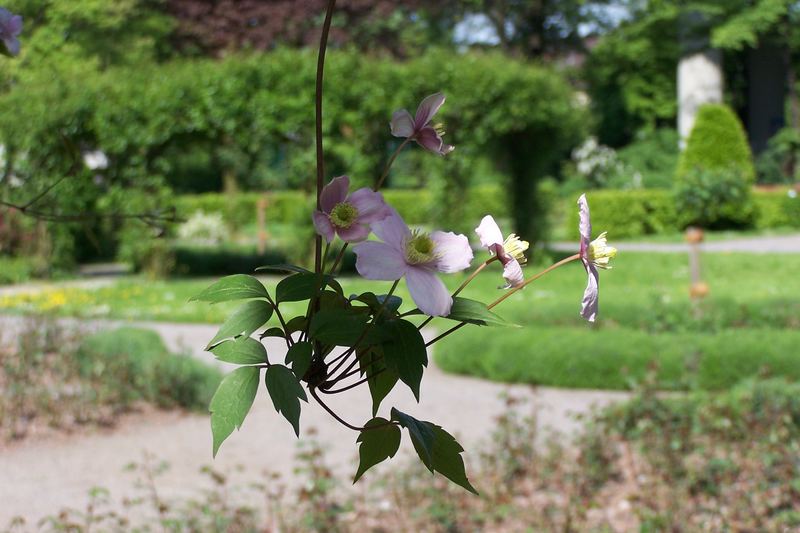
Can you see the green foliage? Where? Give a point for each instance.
(474, 312)
(232, 402)
(380, 440)
(746, 26)
(717, 142)
(653, 155)
(16, 270)
(777, 209)
(714, 198)
(241, 351)
(244, 321)
(626, 213)
(780, 162)
(286, 392)
(220, 260)
(235, 287)
(133, 364)
(405, 352)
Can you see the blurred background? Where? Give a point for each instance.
(148, 146)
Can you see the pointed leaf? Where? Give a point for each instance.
(242, 351)
(283, 268)
(474, 312)
(381, 379)
(299, 356)
(232, 402)
(273, 332)
(286, 393)
(244, 321)
(437, 449)
(336, 327)
(236, 287)
(303, 286)
(377, 444)
(405, 352)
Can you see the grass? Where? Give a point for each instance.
(748, 323)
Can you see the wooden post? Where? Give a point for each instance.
(698, 288)
(261, 221)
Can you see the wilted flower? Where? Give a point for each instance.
(419, 128)
(348, 216)
(417, 256)
(595, 254)
(510, 252)
(10, 28)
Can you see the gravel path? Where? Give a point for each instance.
(38, 478)
(784, 244)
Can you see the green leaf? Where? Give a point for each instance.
(303, 286)
(236, 287)
(375, 302)
(299, 356)
(296, 324)
(474, 312)
(242, 351)
(232, 402)
(283, 268)
(273, 332)
(381, 379)
(405, 352)
(437, 449)
(337, 327)
(377, 444)
(244, 321)
(286, 393)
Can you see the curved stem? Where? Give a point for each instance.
(341, 420)
(338, 259)
(379, 183)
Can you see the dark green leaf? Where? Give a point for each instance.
(474, 312)
(304, 286)
(377, 444)
(286, 393)
(381, 379)
(437, 449)
(283, 268)
(375, 302)
(232, 402)
(337, 327)
(273, 332)
(405, 352)
(244, 321)
(296, 324)
(242, 351)
(236, 287)
(299, 356)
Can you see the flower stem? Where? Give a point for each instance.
(338, 259)
(379, 183)
(508, 294)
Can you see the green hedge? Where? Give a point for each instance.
(293, 207)
(627, 214)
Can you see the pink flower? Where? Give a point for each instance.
(419, 128)
(417, 256)
(595, 254)
(510, 251)
(10, 28)
(348, 216)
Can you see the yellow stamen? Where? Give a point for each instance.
(516, 247)
(420, 248)
(600, 253)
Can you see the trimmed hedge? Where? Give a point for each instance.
(634, 213)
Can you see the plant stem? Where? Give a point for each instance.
(338, 259)
(508, 294)
(379, 183)
(341, 420)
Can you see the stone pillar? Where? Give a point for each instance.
(700, 81)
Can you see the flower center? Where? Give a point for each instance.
(515, 247)
(600, 253)
(420, 248)
(343, 215)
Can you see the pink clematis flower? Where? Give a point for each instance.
(10, 28)
(348, 216)
(595, 254)
(416, 255)
(510, 251)
(419, 128)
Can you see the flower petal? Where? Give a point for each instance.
(323, 225)
(427, 109)
(355, 233)
(392, 230)
(590, 295)
(430, 140)
(402, 124)
(370, 205)
(15, 25)
(428, 291)
(379, 261)
(585, 224)
(512, 273)
(453, 252)
(489, 232)
(12, 45)
(334, 193)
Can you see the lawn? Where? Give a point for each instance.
(748, 324)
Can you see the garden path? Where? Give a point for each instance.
(779, 244)
(38, 478)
